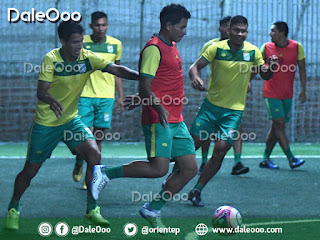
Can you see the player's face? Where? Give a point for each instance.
(73, 46)
(238, 34)
(223, 29)
(99, 27)
(274, 34)
(178, 30)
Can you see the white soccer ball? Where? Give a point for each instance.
(226, 217)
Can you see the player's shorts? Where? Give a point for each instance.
(96, 112)
(43, 139)
(214, 122)
(170, 142)
(278, 108)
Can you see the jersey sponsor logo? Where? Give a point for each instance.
(106, 117)
(246, 56)
(82, 68)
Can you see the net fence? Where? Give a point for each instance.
(23, 45)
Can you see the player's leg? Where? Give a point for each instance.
(205, 145)
(86, 114)
(84, 145)
(42, 141)
(238, 167)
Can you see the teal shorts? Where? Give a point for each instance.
(214, 122)
(278, 108)
(96, 112)
(170, 142)
(43, 139)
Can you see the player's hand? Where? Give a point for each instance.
(163, 117)
(273, 62)
(132, 101)
(197, 83)
(56, 107)
(249, 87)
(120, 105)
(302, 97)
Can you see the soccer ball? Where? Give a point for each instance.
(226, 217)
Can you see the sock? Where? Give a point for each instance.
(288, 153)
(14, 204)
(79, 161)
(198, 186)
(267, 153)
(237, 157)
(204, 157)
(91, 203)
(115, 172)
(157, 203)
(175, 168)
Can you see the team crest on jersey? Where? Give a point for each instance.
(246, 56)
(82, 68)
(110, 49)
(87, 47)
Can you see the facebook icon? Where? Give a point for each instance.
(62, 229)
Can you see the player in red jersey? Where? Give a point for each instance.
(278, 91)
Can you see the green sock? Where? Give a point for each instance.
(159, 202)
(267, 153)
(91, 203)
(79, 161)
(198, 186)
(288, 153)
(204, 157)
(237, 157)
(14, 204)
(115, 172)
(175, 168)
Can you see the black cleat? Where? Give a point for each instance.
(194, 197)
(295, 162)
(239, 169)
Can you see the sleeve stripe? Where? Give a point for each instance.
(146, 75)
(205, 59)
(105, 68)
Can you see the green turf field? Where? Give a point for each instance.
(284, 198)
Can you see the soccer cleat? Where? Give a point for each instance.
(239, 169)
(295, 162)
(84, 185)
(94, 217)
(99, 180)
(201, 168)
(152, 216)
(12, 219)
(77, 172)
(267, 163)
(195, 198)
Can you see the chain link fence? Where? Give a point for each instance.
(133, 22)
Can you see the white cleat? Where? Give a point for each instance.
(99, 180)
(152, 216)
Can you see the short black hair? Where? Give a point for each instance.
(66, 29)
(173, 13)
(97, 15)
(224, 20)
(238, 19)
(282, 27)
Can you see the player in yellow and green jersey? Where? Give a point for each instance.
(97, 97)
(63, 75)
(221, 111)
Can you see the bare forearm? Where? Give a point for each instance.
(303, 79)
(118, 85)
(45, 97)
(148, 96)
(266, 72)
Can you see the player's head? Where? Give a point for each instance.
(224, 24)
(99, 24)
(278, 31)
(71, 37)
(174, 20)
(238, 30)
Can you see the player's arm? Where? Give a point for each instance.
(303, 79)
(195, 74)
(118, 85)
(266, 71)
(147, 95)
(121, 71)
(44, 96)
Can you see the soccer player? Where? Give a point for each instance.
(221, 111)
(238, 167)
(161, 88)
(278, 92)
(96, 101)
(63, 74)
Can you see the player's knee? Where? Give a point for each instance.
(93, 156)
(157, 173)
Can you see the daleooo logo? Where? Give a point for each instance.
(52, 14)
